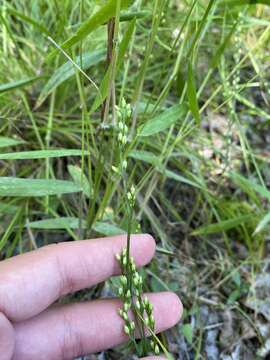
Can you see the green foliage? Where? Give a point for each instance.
(18, 84)
(163, 121)
(67, 70)
(38, 154)
(5, 141)
(194, 76)
(192, 95)
(10, 186)
(80, 179)
(106, 12)
(222, 225)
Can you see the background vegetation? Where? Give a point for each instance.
(196, 76)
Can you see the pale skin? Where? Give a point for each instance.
(32, 327)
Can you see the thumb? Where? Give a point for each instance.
(7, 339)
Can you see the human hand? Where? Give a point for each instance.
(32, 328)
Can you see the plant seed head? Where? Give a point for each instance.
(120, 291)
(127, 306)
(126, 330)
(125, 316)
(124, 164)
(123, 279)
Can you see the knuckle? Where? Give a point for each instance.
(71, 345)
(65, 279)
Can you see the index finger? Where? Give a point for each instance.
(29, 283)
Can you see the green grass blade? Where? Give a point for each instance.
(11, 186)
(10, 227)
(103, 228)
(216, 59)
(5, 141)
(262, 224)
(130, 15)
(244, 2)
(29, 20)
(120, 59)
(172, 175)
(107, 229)
(80, 179)
(55, 224)
(163, 121)
(192, 95)
(223, 225)
(67, 70)
(41, 154)
(105, 13)
(18, 84)
(145, 156)
(7, 209)
(248, 185)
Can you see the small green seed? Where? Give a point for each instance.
(126, 330)
(123, 280)
(127, 306)
(120, 291)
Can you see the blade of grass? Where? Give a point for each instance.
(11, 186)
(40, 154)
(18, 84)
(106, 12)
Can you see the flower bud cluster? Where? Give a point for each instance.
(131, 196)
(131, 293)
(123, 113)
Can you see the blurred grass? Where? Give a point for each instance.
(196, 74)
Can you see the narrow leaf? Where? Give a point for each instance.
(172, 175)
(73, 223)
(11, 186)
(57, 223)
(223, 225)
(40, 154)
(187, 331)
(18, 84)
(120, 58)
(262, 224)
(250, 185)
(29, 20)
(7, 209)
(192, 95)
(80, 179)
(105, 13)
(67, 70)
(163, 121)
(107, 229)
(146, 156)
(245, 2)
(152, 159)
(215, 60)
(130, 15)
(5, 141)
